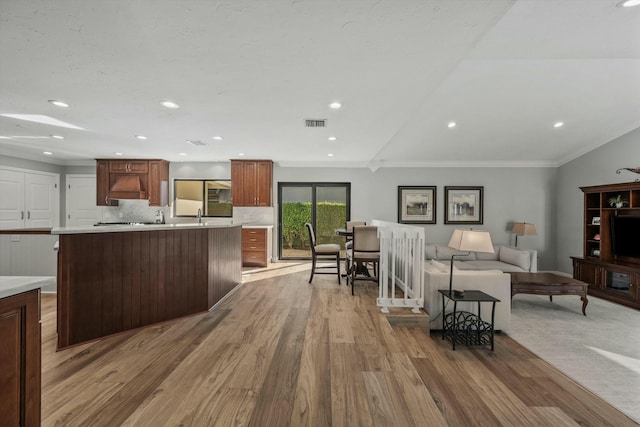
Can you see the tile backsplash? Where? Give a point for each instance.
(140, 211)
(133, 211)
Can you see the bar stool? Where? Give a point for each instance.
(323, 252)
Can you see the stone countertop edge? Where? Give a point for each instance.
(14, 285)
(257, 226)
(124, 228)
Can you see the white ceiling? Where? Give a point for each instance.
(253, 70)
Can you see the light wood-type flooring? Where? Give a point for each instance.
(282, 352)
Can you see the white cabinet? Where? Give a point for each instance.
(28, 199)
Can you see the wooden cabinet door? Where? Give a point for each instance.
(158, 189)
(263, 183)
(20, 359)
(588, 272)
(102, 184)
(237, 183)
(251, 182)
(128, 166)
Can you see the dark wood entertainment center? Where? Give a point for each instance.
(609, 276)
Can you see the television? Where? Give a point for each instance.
(625, 235)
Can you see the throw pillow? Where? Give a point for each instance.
(483, 256)
(430, 252)
(515, 257)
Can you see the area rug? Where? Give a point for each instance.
(601, 350)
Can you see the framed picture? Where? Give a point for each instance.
(595, 220)
(463, 205)
(416, 205)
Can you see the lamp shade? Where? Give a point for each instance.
(524, 229)
(471, 241)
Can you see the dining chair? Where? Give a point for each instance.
(348, 240)
(323, 252)
(365, 249)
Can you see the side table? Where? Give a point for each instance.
(467, 328)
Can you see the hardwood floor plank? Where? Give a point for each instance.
(312, 405)
(420, 404)
(349, 403)
(275, 400)
(280, 351)
(385, 400)
(185, 396)
(554, 417)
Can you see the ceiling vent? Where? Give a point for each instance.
(315, 123)
(196, 143)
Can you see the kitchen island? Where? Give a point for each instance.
(115, 278)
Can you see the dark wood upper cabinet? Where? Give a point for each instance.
(251, 182)
(153, 175)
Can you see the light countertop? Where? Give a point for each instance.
(14, 285)
(145, 227)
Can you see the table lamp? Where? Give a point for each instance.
(523, 229)
(468, 241)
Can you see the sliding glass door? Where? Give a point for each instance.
(324, 205)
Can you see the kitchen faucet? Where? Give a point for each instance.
(199, 216)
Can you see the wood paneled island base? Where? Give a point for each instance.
(110, 282)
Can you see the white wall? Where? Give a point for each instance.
(510, 194)
(594, 168)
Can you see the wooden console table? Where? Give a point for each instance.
(548, 284)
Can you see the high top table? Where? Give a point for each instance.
(549, 284)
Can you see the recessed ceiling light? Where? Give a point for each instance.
(628, 3)
(48, 153)
(558, 124)
(39, 118)
(451, 124)
(57, 136)
(335, 105)
(117, 153)
(141, 137)
(182, 154)
(332, 138)
(240, 154)
(330, 154)
(218, 138)
(58, 103)
(169, 104)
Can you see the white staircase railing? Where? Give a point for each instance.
(401, 266)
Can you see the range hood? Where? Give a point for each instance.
(127, 187)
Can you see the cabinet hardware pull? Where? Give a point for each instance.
(28, 214)
(21, 214)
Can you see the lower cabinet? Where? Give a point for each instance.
(20, 359)
(614, 282)
(255, 243)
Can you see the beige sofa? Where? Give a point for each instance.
(504, 258)
(493, 282)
